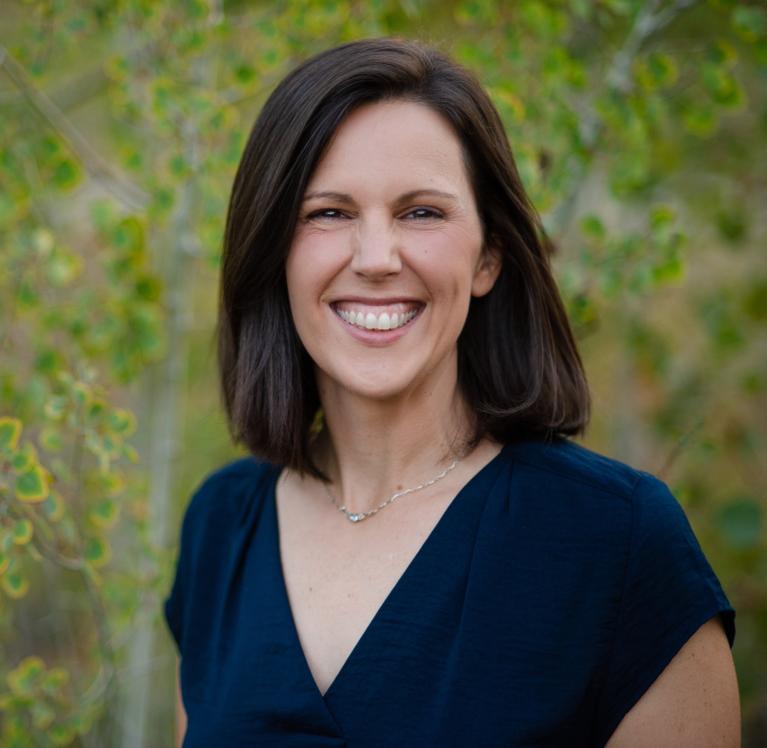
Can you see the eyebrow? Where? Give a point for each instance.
(404, 197)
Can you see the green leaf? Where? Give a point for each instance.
(97, 551)
(740, 523)
(671, 269)
(750, 22)
(25, 457)
(732, 225)
(753, 383)
(50, 145)
(128, 236)
(592, 227)
(133, 159)
(162, 95)
(104, 514)
(10, 430)
(724, 326)
(621, 7)
(656, 70)
(721, 52)
(148, 287)
(31, 485)
(661, 216)
(700, 120)
(96, 408)
(42, 714)
(54, 680)
(130, 453)
(6, 539)
(723, 87)
(43, 241)
(66, 174)
(178, 166)
(102, 214)
(754, 303)
(55, 407)
(610, 282)
(63, 268)
(164, 198)
(47, 361)
(61, 734)
(27, 295)
(82, 394)
(583, 310)
(112, 445)
(641, 279)
(244, 73)
(53, 507)
(23, 678)
(22, 531)
(14, 584)
(122, 422)
(51, 439)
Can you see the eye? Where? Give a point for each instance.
(424, 213)
(324, 213)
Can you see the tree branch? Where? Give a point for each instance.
(649, 20)
(126, 192)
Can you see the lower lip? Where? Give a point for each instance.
(377, 337)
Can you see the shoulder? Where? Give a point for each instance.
(226, 494)
(563, 462)
(582, 488)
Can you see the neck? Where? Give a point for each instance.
(371, 449)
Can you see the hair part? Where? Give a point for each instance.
(518, 365)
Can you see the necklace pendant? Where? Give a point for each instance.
(359, 516)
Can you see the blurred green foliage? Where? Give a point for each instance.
(637, 129)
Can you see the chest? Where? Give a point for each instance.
(497, 636)
(338, 574)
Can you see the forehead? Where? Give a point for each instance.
(393, 140)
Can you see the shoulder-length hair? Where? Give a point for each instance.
(518, 365)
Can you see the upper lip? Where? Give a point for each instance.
(383, 301)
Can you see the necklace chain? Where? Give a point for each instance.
(359, 516)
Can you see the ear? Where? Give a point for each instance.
(487, 270)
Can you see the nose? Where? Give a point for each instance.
(376, 248)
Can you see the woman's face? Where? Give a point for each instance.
(387, 253)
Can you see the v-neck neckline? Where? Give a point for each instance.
(284, 601)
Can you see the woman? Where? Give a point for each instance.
(416, 554)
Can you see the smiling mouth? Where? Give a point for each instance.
(369, 317)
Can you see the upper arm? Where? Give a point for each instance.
(694, 703)
(180, 711)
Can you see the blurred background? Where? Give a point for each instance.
(639, 128)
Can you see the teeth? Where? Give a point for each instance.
(370, 321)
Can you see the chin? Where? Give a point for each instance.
(379, 384)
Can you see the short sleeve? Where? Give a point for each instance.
(175, 603)
(669, 592)
(212, 513)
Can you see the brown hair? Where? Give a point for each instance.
(518, 365)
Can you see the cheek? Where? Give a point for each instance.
(300, 291)
(314, 259)
(302, 268)
(293, 280)
(446, 262)
(309, 272)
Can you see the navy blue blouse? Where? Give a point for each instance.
(552, 592)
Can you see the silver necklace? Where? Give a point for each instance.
(359, 516)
